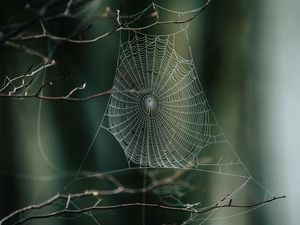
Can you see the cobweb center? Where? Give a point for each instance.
(150, 102)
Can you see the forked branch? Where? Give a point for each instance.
(223, 203)
(17, 87)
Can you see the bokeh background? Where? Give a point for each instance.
(247, 57)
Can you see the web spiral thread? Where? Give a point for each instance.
(158, 111)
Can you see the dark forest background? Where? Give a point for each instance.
(247, 56)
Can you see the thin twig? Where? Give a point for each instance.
(13, 82)
(119, 188)
(27, 50)
(67, 97)
(117, 29)
(40, 15)
(96, 207)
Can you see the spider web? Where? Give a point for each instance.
(179, 126)
(161, 118)
(176, 128)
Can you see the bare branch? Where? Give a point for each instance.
(11, 86)
(67, 97)
(120, 27)
(119, 188)
(42, 14)
(97, 207)
(28, 50)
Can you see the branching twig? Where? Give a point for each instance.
(226, 202)
(97, 207)
(42, 14)
(119, 188)
(12, 86)
(120, 27)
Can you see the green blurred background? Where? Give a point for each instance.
(247, 56)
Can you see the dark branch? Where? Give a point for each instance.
(97, 207)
